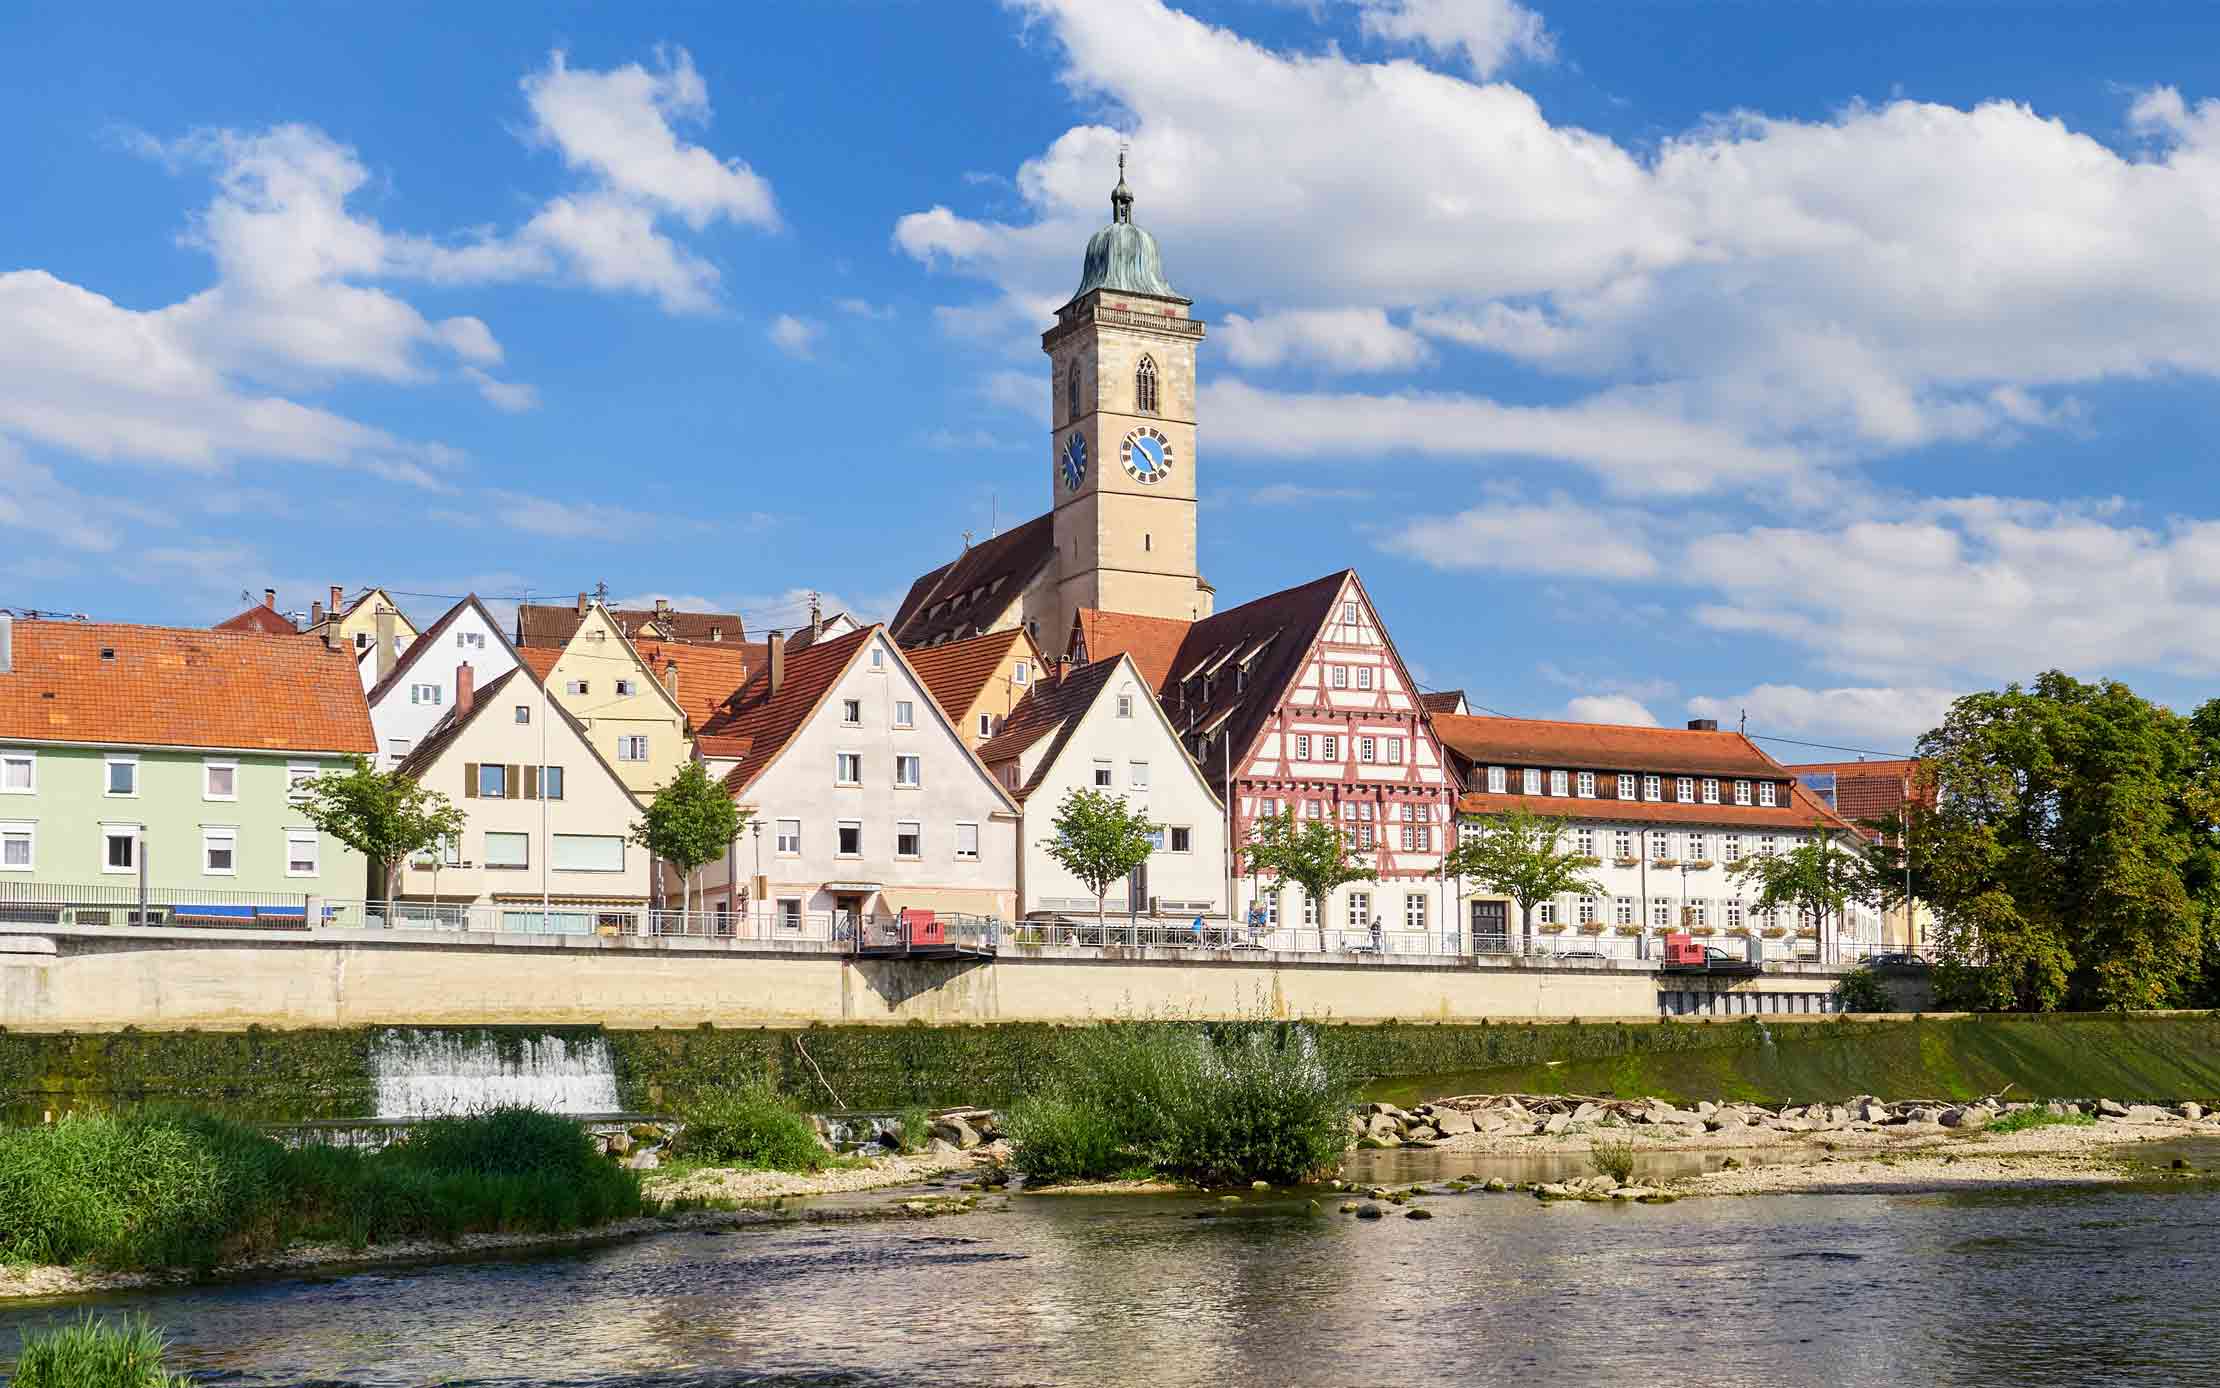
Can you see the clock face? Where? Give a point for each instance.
(1075, 461)
(1146, 455)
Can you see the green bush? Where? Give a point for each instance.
(1613, 1159)
(750, 1125)
(91, 1353)
(2019, 1120)
(915, 1128)
(506, 1141)
(1055, 1137)
(1861, 990)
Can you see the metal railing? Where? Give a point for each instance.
(119, 903)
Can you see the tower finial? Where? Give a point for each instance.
(1121, 197)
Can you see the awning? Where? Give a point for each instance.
(952, 901)
(846, 887)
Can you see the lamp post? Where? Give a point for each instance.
(755, 836)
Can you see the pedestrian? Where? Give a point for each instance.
(1197, 930)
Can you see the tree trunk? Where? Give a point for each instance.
(1526, 928)
(1102, 914)
(389, 872)
(1318, 909)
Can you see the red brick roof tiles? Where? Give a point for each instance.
(708, 674)
(259, 620)
(553, 624)
(955, 672)
(767, 719)
(1051, 710)
(1800, 812)
(996, 570)
(1604, 747)
(181, 687)
(1153, 642)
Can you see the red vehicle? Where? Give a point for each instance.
(922, 928)
(1681, 951)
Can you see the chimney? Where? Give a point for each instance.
(269, 598)
(778, 660)
(466, 689)
(388, 632)
(1703, 725)
(336, 596)
(581, 604)
(670, 678)
(7, 643)
(316, 613)
(662, 607)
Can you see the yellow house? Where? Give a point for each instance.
(631, 719)
(353, 623)
(979, 680)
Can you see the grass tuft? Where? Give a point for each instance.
(2021, 1119)
(749, 1126)
(92, 1353)
(1612, 1158)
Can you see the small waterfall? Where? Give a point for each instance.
(422, 1071)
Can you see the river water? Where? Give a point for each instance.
(2119, 1287)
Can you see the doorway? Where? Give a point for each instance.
(1491, 927)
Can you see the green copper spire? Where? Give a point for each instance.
(1121, 256)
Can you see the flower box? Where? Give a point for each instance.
(1739, 932)
(1700, 931)
(1550, 929)
(1700, 863)
(1807, 934)
(1775, 932)
(1664, 862)
(1626, 862)
(1591, 929)
(1629, 930)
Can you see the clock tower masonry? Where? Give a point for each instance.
(1122, 458)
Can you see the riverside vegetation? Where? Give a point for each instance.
(93, 1353)
(164, 1187)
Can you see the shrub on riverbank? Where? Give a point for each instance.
(2019, 1120)
(92, 1353)
(1219, 1105)
(749, 1125)
(168, 1187)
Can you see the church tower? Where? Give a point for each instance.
(1122, 458)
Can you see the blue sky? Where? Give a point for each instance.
(1819, 361)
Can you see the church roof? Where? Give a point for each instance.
(1122, 257)
(1153, 642)
(952, 600)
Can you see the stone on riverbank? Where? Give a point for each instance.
(1418, 1214)
(957, 1133)
(1370, 1211)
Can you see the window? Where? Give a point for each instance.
(1125, 706)
(986, 725)
(905, 714)
(1267, 808)
(470, 640)
(1414, 911)
(586, 853)
(508, 850)
(493, 781)
(1395, 751)
(523, 713)
(1530, 780)
(967, 843)
(1349, 613)
(1360, 910)
(787, 840)
(1302, 746)
(1684, 789)
(851, 711)
(1699, 911)
(790, 912)
(626, 688)
(1584, 842)
(1341, 676)
(848, 768)
(909, 770)
(1105, 775)
(1364, 838)
(1367, 749)
(446, 853)
(1364, 677)
(219, 780)
(1622, 843)
(1559, 783)
(909, 839)
(1418, 838)
(1661, 845)
(1329, 748)
(1699, 848)
(1586, 910)
(1741, 792)
(551, 782)
(1144, 386)
(1021, 672)
(426, 694)
(362, 640)
(1498, 780)
(1137, 774)
(1661, 912)
(1731, 848)
(1626, 787)
(1310, 910)
(1711, 791)
(219, 852)
(1622, 910)
(633, 747)
(575, 687)
(297, 776)
(1765, 792)
(1652, 788)
(123, 774)
(1545, 913)
(878, 657)
(18, 773)
(17, 847)
(1268, 903)
(1585, 785)
(1768, 845)
(1183, 839)
(1734, 915)
(1314, 809)
(849, 840)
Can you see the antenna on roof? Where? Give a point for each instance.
(601, 593)
(994, 515)
(1743, 724)
(967, 540)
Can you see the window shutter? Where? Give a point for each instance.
(515, 780)
(470, 780)
(531, 783)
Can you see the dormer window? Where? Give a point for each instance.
(1626, 787)
(1684, 789)
(1498, 780)
(1557, 783)
(1530, 780)
(1741, 792)
(1711, 791)
(1765, 793)
(1653, 788)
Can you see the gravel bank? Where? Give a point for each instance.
(721, 1184)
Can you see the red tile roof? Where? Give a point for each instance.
(259, 620)
(1051, 710)
(1153, 642)
(553, 624)
(181, 687)
(1443, 701)
(708, 674)
(723, 748)
(1603, 747)
(1014, 557)
(955, 672)
(1800, 812)
(540, 659)
(767, 720)
(1870, 790)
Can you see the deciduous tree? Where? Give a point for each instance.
(1818, 878)
(1524, 856)
(383, 815)
(1315, 857)
(1099, 839)
(689, 822)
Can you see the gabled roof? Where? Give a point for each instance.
(980, 581)
(1800, 811)
(543, 659)
(429, 639)
(1443, 701)
(708, 674)
(767, 719)
(181, 687)
(955, 672)
(455, 721)
(259, 620)
(1051, 710)
(1153, 642)
(827, 626)
(1870, 790)
(553, 624)
(1604, 747)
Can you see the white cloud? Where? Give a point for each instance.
(1884, 719)
(1488, 34)
(1296, 494)
(510, 397)
(1609, 708)
(944, 440)
(864, 308)
(797, 337)
(1558, 536)
(1336, 339)
(562, 518)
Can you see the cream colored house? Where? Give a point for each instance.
(548, 818)
(1100, 728)
(979, 681)
(359, 624)
(600, 679)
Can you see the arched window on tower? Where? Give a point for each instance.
(1071, 396)
(1144, 386)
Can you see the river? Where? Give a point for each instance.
(2121, 1286)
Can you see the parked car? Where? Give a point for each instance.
(1580, 954)
(1897, 959)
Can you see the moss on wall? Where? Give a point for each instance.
(255, 1073)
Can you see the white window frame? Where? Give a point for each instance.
(430, 694)
(1341, 676)
(789, 910)
(1659, 847)
(842, 826)
(1560, 783)
(29, 832)
(1302, 746)
(1021, 673)
(1530, 780)
(629, 741)
(107, 779)
(1684, 790)
(297, 774)
(1623, 910)
(111, 832)
(1357, 910)
(1367, 749)
(486, 850)
(1766, 793)
(451, 850)
(1699, 846)
(878, 658)
(1125, 706)
(627, 688)
(575, 687)
(1653, 788)
(1499, 779)
(1626, 786)
(1730, 848)
(1584, 841)
(1416, 910)
(847, 768)
(1622, 843)
(1711, 790)
(914, 765)
(786, 838)
(851, 713)
(29, 760)
(1364, 677)
(1584, 785)
(905, 713)
(219, 836)
(986, 725)
(1395, 751)
(963, 856)
(1137, 774)
(211, 765)
(915, 828)
(1741, 792)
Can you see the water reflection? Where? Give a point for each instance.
(2059, 1289)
